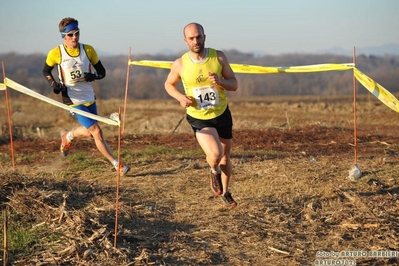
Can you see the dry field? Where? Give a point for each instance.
(291, 161)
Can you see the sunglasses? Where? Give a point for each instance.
(76, 33)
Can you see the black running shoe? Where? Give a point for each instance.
(216, 183)
(229, 199)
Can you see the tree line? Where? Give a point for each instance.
(148, 83)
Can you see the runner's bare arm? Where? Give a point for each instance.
(228, 80)
(171, 81)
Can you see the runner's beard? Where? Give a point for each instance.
(199, 49)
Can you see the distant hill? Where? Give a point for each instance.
(386, 49)
(146, 83)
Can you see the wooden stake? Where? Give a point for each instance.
(9, 118)
(279, 251)
(5, 244)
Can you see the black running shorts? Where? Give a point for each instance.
(222, 123)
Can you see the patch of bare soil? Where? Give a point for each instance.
(296, 203)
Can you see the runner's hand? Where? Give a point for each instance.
(89, 77)
(58, 87)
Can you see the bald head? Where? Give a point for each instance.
(193, 26)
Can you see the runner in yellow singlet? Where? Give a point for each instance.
(206, 75)
(75, 62)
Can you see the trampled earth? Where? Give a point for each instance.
(291, 161)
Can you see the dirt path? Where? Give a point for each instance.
(296, 205)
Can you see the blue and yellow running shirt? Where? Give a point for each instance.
(72, 64)
(210, 99)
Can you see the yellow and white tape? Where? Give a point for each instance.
(253, 69)
(377, 90)
(18, 87)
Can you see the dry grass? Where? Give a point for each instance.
(291, 160)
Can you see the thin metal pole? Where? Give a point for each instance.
(9, 118)
(126, 90)
(117, 185)
(354, 108)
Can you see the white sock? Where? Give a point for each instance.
(216, 171)
(69, 136)
(115, 163)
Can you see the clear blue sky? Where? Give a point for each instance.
(152, 26)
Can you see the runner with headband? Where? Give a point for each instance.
(78, 65)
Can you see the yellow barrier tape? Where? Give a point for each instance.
(18, 87)
(2, 87)
(377, 90)
(149, 63)
(252, 69)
